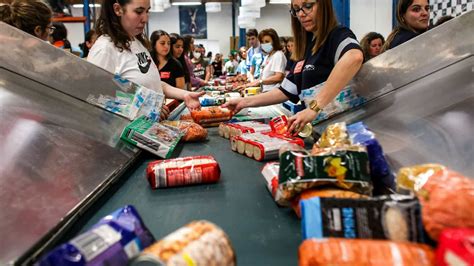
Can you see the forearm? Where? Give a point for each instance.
(276, 78)
(272, 97)
(344, 70)
(172, 92)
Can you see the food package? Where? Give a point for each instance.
(327, 192)
(262, 146)
(270, 175)
(186, 117)
(154, 137)
(114, 240)
(183, 171)
(455, 247)
(198, 243)
(344, 168)
(392, 217)
(447, 197)
(211, 116)
(231, 129)
(192, 131)
(207, 100)
(361, 252)
(340, 135)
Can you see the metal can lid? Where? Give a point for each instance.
(306, 131)
(146, 259)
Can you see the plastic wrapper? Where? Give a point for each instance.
(115, 240)
(455, 247)
(151, 136)
(335, 135)
(344, 168)
(198, 243)
(231, 129)
(447, 197)
(211, 116)
(192, 131)
(183, 171)
(336, 251)
(323, 193)
(270, 175)
(394, 217)
(212, 100)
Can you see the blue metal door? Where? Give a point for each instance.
(342, 9)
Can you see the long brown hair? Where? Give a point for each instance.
(109, 24)
(366, 40)
(326, 21)
(26, 15)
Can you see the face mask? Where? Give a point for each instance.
(197, 55)
(267, 47)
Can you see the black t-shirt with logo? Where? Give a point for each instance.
(171, 71)
(217, 68)
(200, 68)
(401, 37)
(314, 69)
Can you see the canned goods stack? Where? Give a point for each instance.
(228, 130)
(262, 146)
(198, 243)
(183, 171)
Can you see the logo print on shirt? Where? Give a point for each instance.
(308, 68)
(143, 62)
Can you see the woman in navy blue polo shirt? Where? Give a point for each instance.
(323, 52)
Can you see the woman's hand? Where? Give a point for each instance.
(298, 121)
(234, 105)
(165, 112)
(254, 83)
(191, 99)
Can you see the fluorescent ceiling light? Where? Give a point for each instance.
(82, 5)
(186, 3)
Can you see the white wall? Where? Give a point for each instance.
(371, 15)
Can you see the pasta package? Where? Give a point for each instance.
(447, 197)
(344, 168)
(336, 251)
(393, 217)
(211, 116)
(192, 131)
(323, 193)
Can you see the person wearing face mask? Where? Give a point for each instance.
(413, 17)
(273, 67)
(325, 53)
(202, 70)
(372, 45)
(121, 48)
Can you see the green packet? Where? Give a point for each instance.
(151, 136)
(346, 169)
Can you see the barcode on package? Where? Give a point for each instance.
(96, 241)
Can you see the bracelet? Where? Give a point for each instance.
(260, 82)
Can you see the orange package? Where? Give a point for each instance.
(193, 131)
(361, 252)
(211, 116)
(446, 196)
(323, 193)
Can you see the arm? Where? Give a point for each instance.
(190, 98)
(252, 71)
(275, 78)
(269, 98)
(208, 73)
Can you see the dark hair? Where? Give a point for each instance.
(275, 39)
(326, 21)
(174, 38)
(251, 32)
(26, 15)
(187, 44)
(60, 34)
(155, 36)
(109, 24)
(402, 8)
(83, 46)
(366, 40)
(442, 20)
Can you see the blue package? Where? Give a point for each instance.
(114, 240)
(382, 177)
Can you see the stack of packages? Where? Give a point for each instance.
(257, 140)
(122, 238)
(331, 188)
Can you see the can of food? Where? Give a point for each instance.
(306, 131)
(183, 171)
(198, 243)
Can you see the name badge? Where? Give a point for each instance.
(165, 75)
(299, 67)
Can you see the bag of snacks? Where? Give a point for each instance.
(447, 197)
(192, 131)
(211, 116)
(336, 251)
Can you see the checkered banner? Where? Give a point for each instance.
(439, 8)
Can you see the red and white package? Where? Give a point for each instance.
(183, 171)
(455, 247)
(270, 174)
(228, 130)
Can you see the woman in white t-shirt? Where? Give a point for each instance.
(122, 49)
(274, 62)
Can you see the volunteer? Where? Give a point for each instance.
(324, 52)
(122, 48)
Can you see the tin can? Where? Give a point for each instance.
(198, 243)
(183, 171)
(306, 131)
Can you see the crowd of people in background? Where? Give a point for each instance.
(272, 62)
